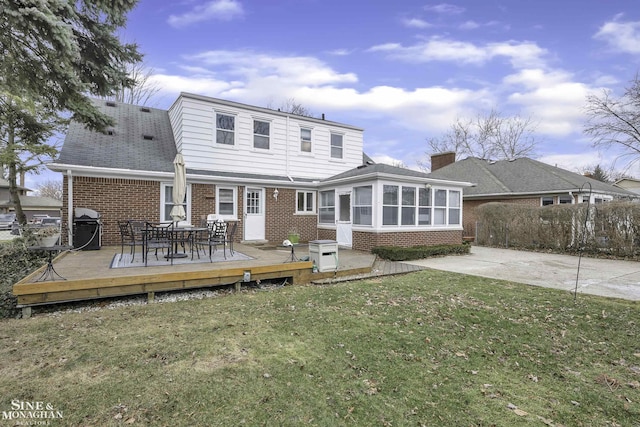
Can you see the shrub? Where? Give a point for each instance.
(607, 228)
(16, 262)
(395, 253)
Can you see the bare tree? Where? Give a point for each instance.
(292, 106)
(50, 188)
(143, 87)
(615, 122)
(489, 136)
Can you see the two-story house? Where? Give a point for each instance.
(273, 172)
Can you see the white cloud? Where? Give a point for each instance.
(415, 23)
(521, 54)
(621, 36)
(223, 10)
(469, 25)
(290, 70)
(552, 98)
(445, 9)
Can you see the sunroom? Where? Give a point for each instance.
(381, 205)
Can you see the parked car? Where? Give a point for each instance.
(6, 221)
(51, 220)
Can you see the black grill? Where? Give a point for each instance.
(87, 229)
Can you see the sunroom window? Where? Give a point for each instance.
(390, 204)
(363, 205)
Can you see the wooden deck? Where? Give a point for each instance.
(89, 276)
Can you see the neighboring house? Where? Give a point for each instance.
(523, 181)
(629, 184)
(31, 205)
(271, 171)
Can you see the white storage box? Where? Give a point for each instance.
(324, 253)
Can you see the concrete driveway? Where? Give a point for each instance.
(610, 278)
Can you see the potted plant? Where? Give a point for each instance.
(293, 236)
(47, 236)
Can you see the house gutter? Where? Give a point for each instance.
(99, 172)
(393, 177)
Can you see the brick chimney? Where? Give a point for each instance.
(441, 160)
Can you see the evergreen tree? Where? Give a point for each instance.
(53, 56)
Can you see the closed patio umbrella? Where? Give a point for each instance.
(179, 188)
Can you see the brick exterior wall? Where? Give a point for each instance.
(119, 199)
(365, 241)
(282, 218)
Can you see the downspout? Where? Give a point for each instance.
(286, 152)
(69, 207)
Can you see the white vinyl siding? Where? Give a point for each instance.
(195, 118)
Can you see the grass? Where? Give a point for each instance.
(429, 348)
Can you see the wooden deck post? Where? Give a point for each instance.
(26, 312)
(150, 297)
(237, 286)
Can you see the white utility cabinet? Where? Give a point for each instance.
(324, 253)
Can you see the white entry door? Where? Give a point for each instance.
(343, 226)
(254, 217)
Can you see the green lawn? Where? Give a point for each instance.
(429, 348)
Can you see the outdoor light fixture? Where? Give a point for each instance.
(427, 186)
(275, 194)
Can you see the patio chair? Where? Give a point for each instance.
(128, 238)
(231, 234)
(214, 235)
(157, 236)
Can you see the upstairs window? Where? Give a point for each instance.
(336, 146)
(305, 140)
(261, 134)
(225, 129)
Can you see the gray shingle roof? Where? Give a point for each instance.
(126, 148)
(520, 176)
(380, 168)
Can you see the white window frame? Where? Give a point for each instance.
(303, 140)
(543, 198)
(390, 206)
(308, 196)
(232, 131)
(410, 206)
(332, 146)
(358, 207)
(227, 217)
(451, 209)
(427, 208)
(258, 135)
(331, 207)
(165, 202)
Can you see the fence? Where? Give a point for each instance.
(608, 228)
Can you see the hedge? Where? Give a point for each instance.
(607, 228)
(395, 253)
(16, 262)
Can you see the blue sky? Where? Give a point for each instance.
(402, 70)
